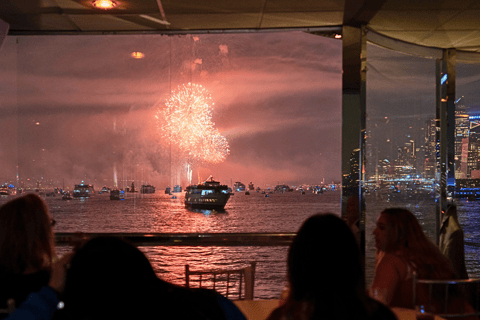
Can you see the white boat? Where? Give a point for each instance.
(210, 195)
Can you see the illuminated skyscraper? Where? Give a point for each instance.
(430, 149)
(462, 135)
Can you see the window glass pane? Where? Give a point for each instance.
(467, 167)
(400, 168)
(91, 109)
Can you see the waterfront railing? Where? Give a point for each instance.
(186, 239)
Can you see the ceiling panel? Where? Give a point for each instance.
(438, 23)
(302, 19)
(105, 23)
(213, 21)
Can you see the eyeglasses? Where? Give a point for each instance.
(53, 222)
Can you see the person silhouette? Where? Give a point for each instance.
(108, 278)
(27, 247)
(325, 275)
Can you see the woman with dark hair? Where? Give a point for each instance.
(325, 275)
(111, 279)
(26, 248)
(402, 249)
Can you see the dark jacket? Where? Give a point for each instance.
(451, 244)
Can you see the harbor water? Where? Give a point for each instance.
(254, 213)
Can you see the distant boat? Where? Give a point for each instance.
(117, 194)
(146, 188)
(282, 188)
(7, 190)
(210, 195)
(317, 190)
(83, 190)
(247, 193)
(238, 186)
(177, 188)
(131, 189)
(167, 190)
(67, 196)
(105, 189)
(250, 186)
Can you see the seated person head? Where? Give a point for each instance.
(109, 278)
(26, 236)
(324, 259)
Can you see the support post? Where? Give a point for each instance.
(354, 61)
(445, 138)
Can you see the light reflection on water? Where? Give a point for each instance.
(253, 213)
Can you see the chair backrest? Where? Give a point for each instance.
(449, 298)
(235, 283)
(9, 309)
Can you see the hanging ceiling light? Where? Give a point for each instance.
(104, 4)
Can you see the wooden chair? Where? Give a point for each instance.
(9, 309)
(238, 283)
(459, 299)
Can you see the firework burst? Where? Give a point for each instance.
(187, 123)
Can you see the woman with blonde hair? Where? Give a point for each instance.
(402, 249)
(26, 247)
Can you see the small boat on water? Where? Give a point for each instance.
(83, 190)
(210, 195)
(247, 193)
(177, 189)
(105, 189)
(67, 196)
(238, 186)
(117, 194)
(146, 188)
(167, 190)
(7, 190)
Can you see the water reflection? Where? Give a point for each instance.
(207, 212)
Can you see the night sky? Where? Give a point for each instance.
(73, 107)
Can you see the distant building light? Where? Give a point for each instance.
(444, 79)
(138, 55)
